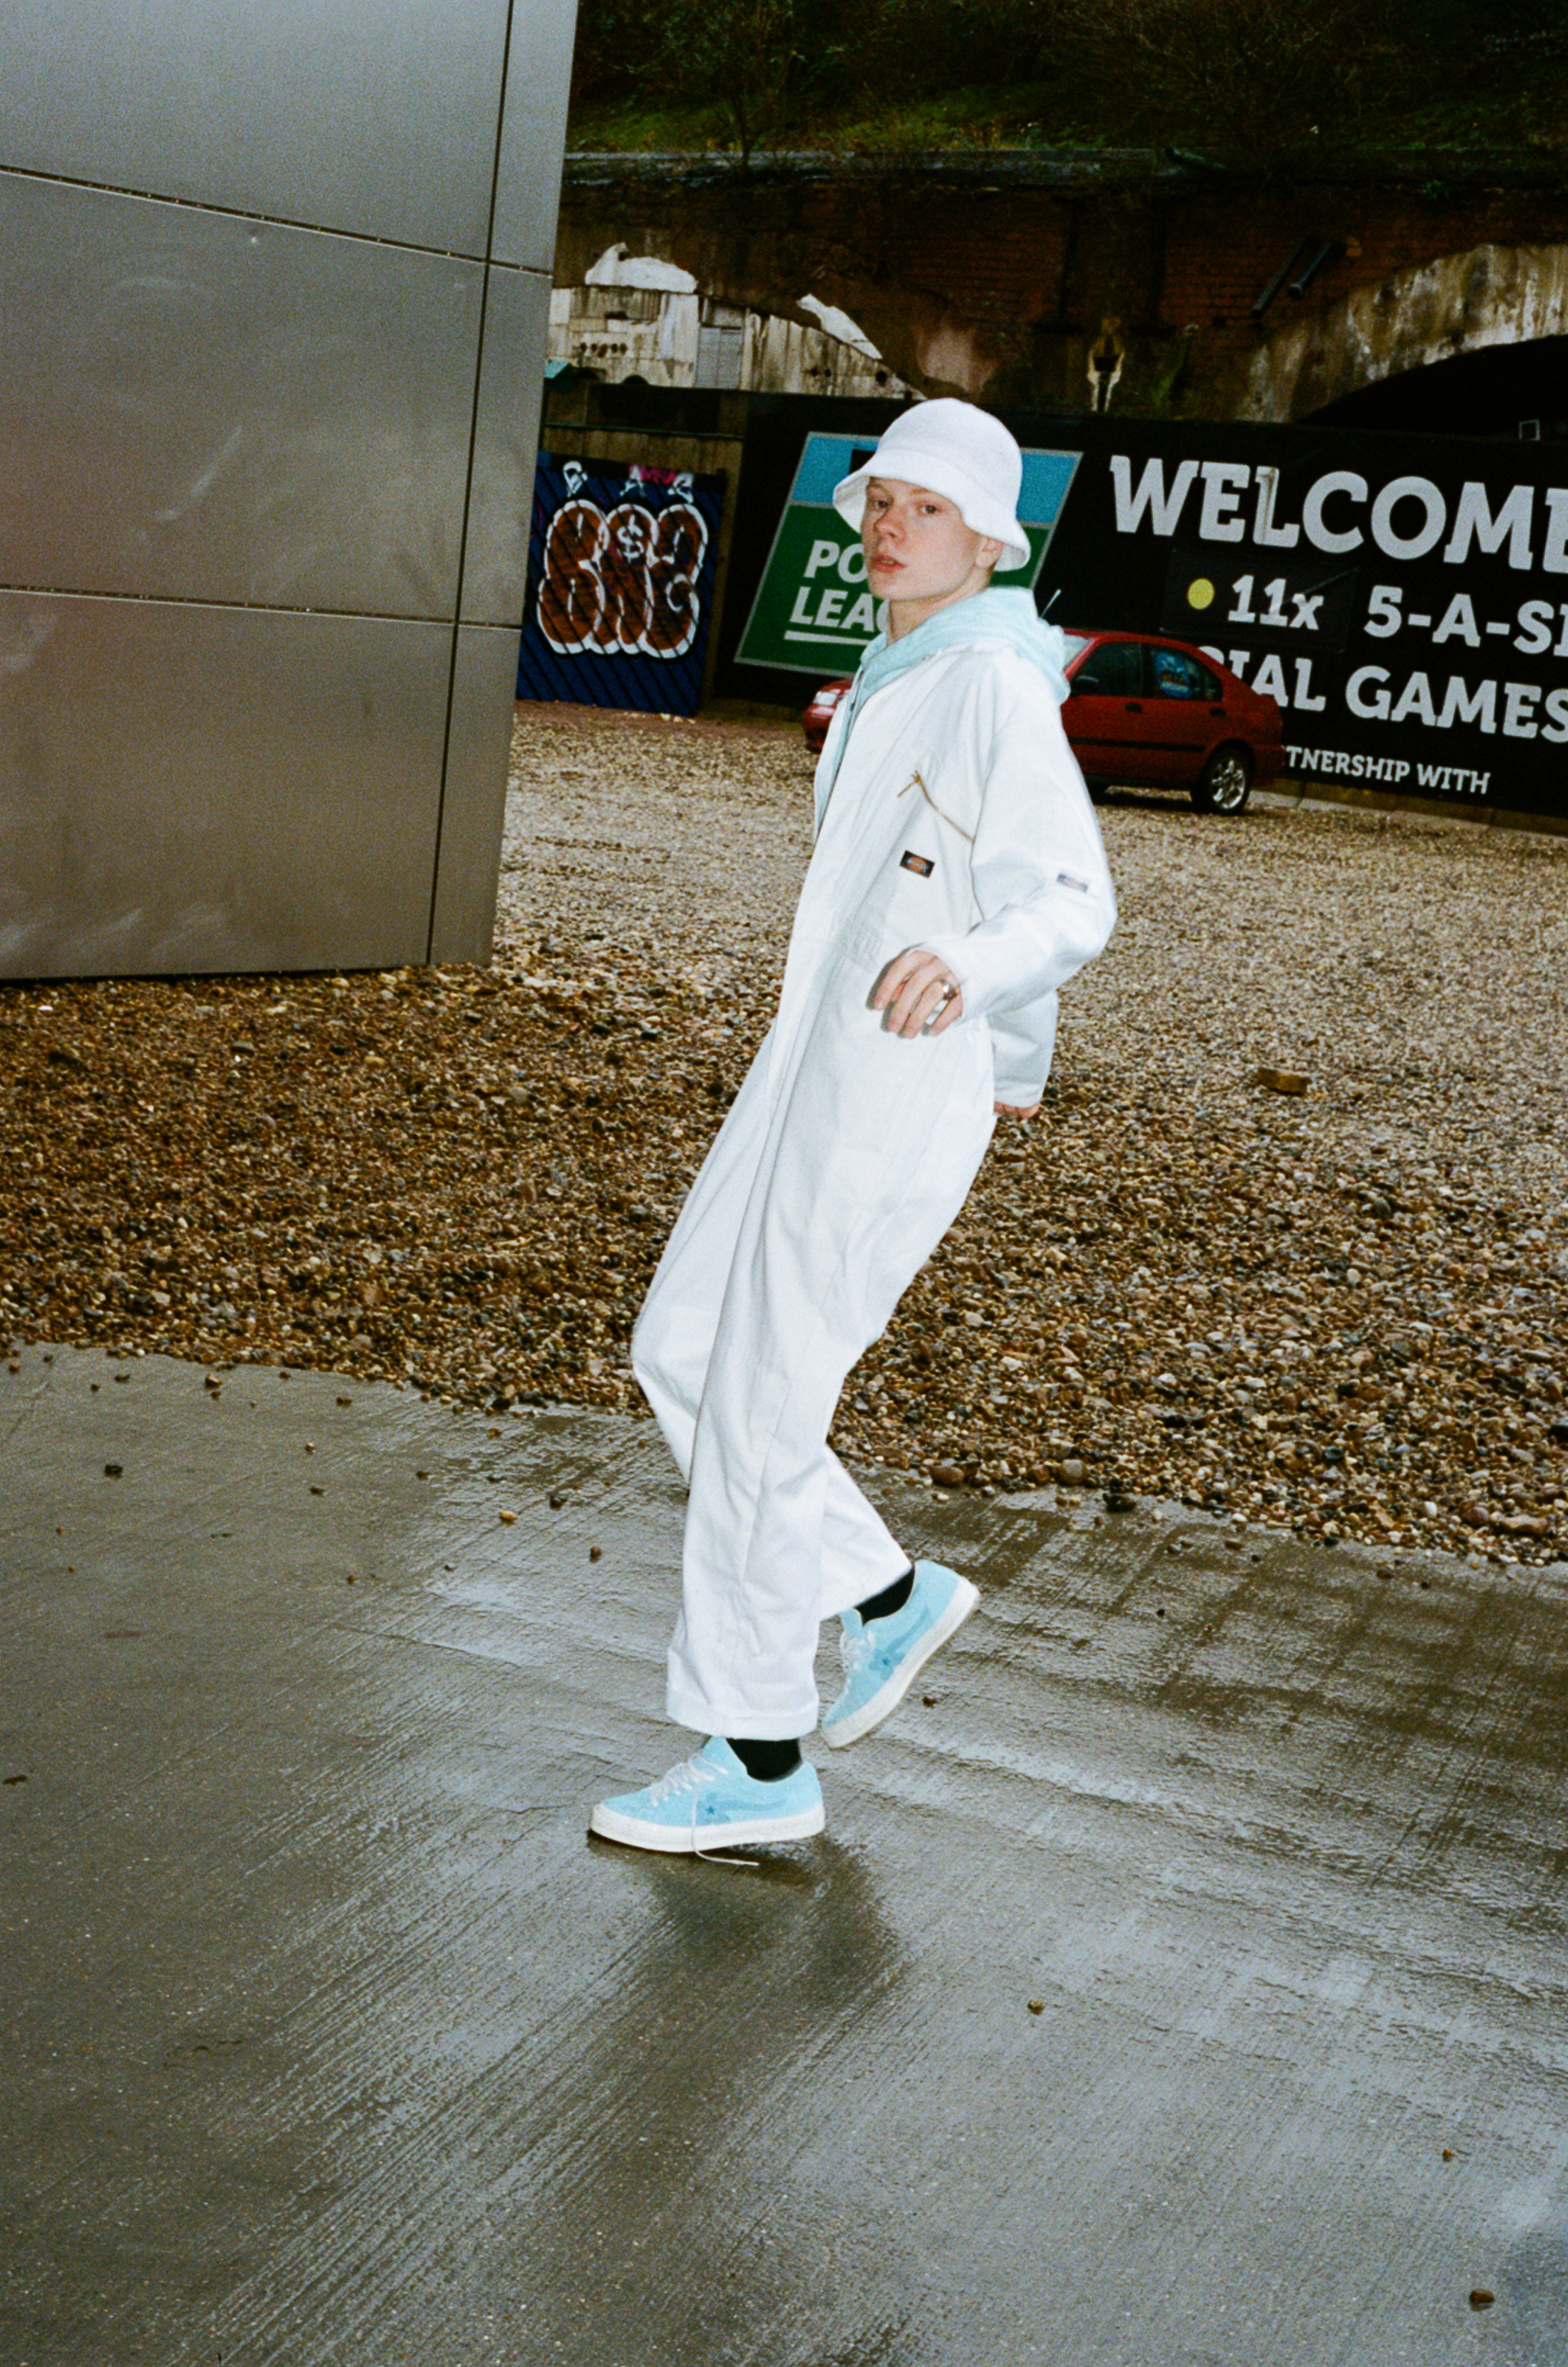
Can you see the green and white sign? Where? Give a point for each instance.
(813, 614)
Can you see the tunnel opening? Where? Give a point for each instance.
(1505, 391)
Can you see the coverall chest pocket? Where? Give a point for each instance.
(905, 902)
(922, 882)
(919, 885)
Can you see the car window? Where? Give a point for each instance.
(1177, 676)
(1112, 669)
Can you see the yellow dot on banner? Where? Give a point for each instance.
(1200, 593)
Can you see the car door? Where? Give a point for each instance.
(1105, 713)
(1185, 713)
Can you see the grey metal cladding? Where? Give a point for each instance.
(372, 116)
(506, 436)
(204, 406)
(484, 689)
(186, 789)
(533, 132)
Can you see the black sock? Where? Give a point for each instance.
(768, 1763)
(891, 1599)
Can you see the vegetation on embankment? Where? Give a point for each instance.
(1238, 81)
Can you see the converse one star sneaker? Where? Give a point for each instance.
(883, 1657)
(710, 1802)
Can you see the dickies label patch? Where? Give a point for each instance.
(909, 861)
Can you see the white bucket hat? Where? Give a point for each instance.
(952, 449)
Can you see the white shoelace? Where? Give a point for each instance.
(854, 1651)
(689, 1776)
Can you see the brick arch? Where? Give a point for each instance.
(1462, 303)
(654, 325)
(908, 283)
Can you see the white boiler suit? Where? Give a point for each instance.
(957, 821)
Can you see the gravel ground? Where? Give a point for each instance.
(1340, 1309)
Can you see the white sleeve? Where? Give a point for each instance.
(1038, 868)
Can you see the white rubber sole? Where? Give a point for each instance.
(887, 1696)
(688, 1841)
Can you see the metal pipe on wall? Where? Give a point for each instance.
(274, 295)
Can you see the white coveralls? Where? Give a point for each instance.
(959, 823)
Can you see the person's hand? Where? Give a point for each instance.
(1010, 1109)
(918, 992)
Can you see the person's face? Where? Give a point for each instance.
(920, 555)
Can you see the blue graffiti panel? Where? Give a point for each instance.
(621, 565)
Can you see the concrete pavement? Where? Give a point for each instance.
(1182, 1985)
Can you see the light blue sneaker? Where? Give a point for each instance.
(710, 1801)
(883, 1657)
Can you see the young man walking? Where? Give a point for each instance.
(956, 882)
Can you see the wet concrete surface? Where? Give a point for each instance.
(1183, 1986)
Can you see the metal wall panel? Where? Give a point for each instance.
(195, 404)
(245, 443)
(484, 686)
(373, 116)
(533, 134)
(186, 789)
(506, 436)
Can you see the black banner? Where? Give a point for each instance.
(1405, 598)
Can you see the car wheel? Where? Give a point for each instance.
(1097, 791)
(1224, 783)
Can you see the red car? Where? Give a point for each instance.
(1146, 712)
(820, 714)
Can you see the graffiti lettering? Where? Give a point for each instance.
(623, 581)
(571, 596)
